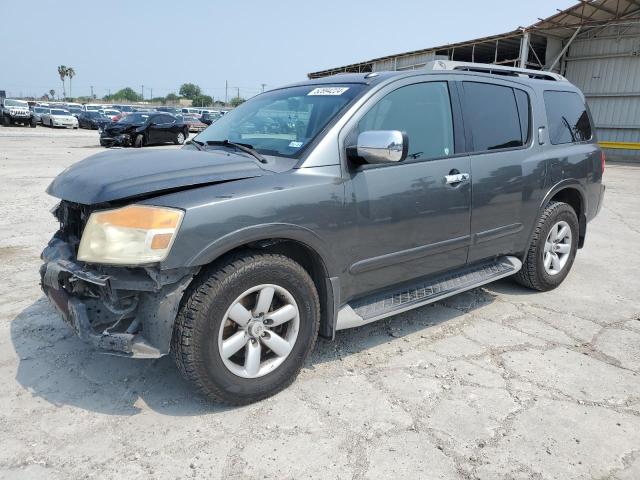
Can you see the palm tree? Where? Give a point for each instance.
(52, 92)
(62, 72)
(70, 73)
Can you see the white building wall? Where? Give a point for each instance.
(606, 67)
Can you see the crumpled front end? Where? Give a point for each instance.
(120, 310)
(109, 139)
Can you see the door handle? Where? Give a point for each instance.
(456, 178)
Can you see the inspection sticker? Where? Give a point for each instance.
(295, 144)
(328, 91)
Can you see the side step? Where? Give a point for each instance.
(385, 305)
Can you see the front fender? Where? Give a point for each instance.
(255, 233)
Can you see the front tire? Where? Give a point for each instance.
(33, 123)
(552, 250)
(139, 141)
(6, 121)
(246, 327)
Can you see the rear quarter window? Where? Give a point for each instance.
(567, 117)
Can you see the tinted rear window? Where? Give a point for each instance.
(491, 113)
(567, 116)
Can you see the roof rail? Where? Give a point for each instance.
(494, 69)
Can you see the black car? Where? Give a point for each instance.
(92, 120)
(209, 117)
(139, 129)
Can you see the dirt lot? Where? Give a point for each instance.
(497, 383)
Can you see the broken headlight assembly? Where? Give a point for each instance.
(132, 235)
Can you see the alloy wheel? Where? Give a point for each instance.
(557, 248)
(258, 331)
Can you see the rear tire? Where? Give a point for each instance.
(204, 324)
(180, 137)
(139, 141)
(535, 273)
(33, 123)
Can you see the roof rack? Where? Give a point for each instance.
(494, 70)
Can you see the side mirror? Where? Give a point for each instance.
(382, 146)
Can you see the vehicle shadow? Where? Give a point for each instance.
(59, 368)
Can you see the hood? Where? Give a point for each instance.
(117, 175)
(117, 127)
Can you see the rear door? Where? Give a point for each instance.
(507, 170)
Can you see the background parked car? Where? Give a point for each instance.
(57, 117)
(37, 113)
(193, 123)
(75, 111)
(209, 117)
(15, 112)
(92, 120)
(110, 113)
(139, 129)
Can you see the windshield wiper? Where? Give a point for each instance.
(197, 144)
(243, 147)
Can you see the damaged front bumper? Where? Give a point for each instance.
(121, 140)
(122, 311)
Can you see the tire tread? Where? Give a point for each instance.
(209, 283)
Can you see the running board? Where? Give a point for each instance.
(385, 305)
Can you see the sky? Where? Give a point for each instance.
(163, 43)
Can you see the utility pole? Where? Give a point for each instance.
(142, 94)
(91, 87)
(238, 90)
(226, 92)
(151, 95)
(263, 85)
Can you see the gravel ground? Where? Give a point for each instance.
(496, 383)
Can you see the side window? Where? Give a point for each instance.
(567, 116)
(491, 113)
(423, 112)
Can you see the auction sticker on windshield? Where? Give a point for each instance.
(328, 91)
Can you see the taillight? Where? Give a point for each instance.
(603, 159)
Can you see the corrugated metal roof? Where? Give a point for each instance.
(585, 14)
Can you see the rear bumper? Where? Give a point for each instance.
(122, 311)
(603, 188)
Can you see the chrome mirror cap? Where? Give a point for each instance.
(382, 146)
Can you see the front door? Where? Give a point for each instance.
(409, 221)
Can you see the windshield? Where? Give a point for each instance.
(282, 122)
(134, 118)
(15, 103)
(94, 114)
(40, 110)
(92, 107)
(59, 112)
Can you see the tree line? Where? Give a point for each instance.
(189, 91)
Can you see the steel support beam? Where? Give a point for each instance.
(524, 50)
(565, 48)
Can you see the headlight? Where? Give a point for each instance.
(130, 235)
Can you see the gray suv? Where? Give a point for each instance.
(321, 206)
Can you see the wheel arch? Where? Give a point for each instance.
(301, 245)
(571, 192)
